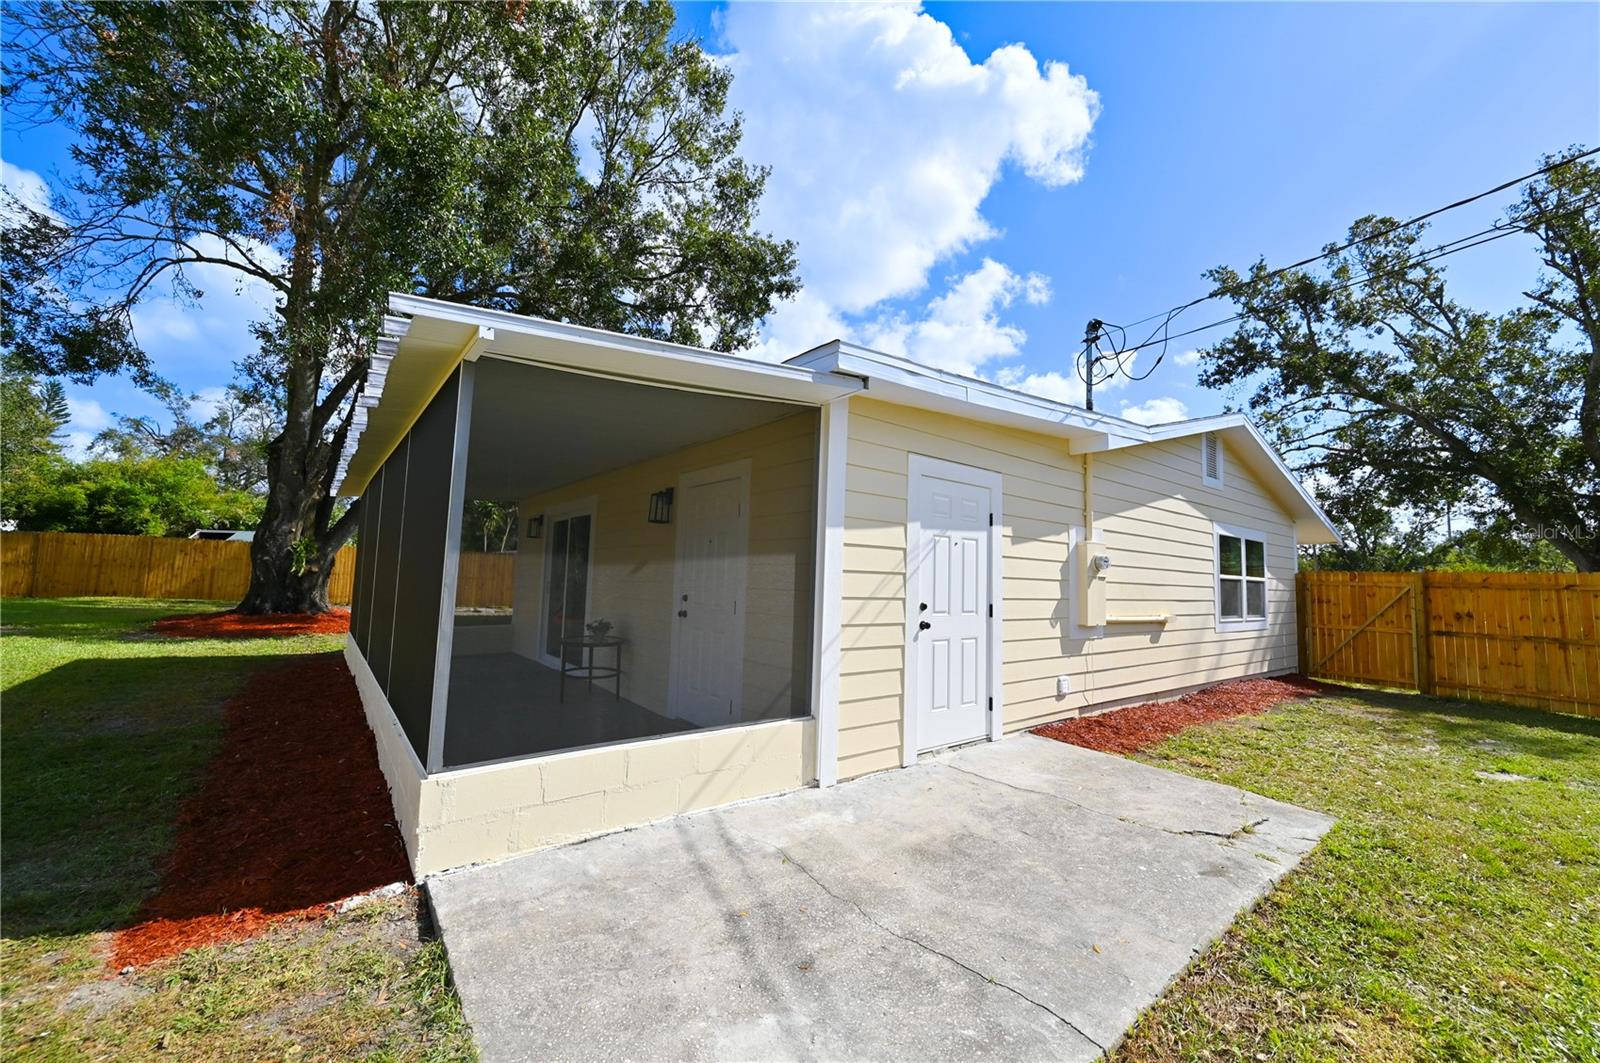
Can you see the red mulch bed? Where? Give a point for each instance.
(293, 816)
(232, 625)
(1137, 726)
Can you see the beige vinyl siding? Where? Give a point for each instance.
(633, 561)
(1156, 517)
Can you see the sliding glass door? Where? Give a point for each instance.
(566, 584)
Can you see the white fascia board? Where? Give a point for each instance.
(907, 383)
(563, 346)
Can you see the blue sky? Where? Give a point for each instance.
(969, 183)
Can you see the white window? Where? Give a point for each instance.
(1241, 578)
(1211, 459)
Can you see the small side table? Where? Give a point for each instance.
(585, 668)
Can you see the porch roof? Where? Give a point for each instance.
(425, 339)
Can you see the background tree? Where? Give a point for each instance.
(567, 160)
(139, 496)
(489, 527)
(1390, 396)
(32, 414)
(231, 440)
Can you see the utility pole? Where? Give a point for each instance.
(1092, 356)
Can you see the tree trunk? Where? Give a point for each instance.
(291, 557)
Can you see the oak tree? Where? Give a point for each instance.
(575, 161)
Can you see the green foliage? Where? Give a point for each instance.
(489, 527)
(143, 496)
(1386, 546)
(564, 159)
(1394, 399)
(231, 441)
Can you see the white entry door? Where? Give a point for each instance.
(708, 602)
(949, 604)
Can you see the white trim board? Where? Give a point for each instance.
(833, 447)
(918, 467)
(1237, 532)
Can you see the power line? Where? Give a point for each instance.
(1382, 232)
(1500, 232)
(1090, 357)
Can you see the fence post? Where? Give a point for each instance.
(1302, 624)
(1422, 648)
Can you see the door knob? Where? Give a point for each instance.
(923, 626)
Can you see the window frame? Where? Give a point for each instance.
(1222, 460)
(1244, 535)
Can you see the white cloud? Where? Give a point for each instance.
(961, 329)
(31, 190)
(884, 139)
(85, 418)
(1156, 411)
(214, 330)
(206, 402)
(87, 415)
(1188, 358)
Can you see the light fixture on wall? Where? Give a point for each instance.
(536, 527)
(661, 506)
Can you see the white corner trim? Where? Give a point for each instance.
(1249, 624)
(444, 645)
(833, 443)
(919, 466)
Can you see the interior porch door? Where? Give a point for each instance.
(708, 614)
(566, 602)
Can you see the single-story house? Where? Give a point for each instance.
(735, 578)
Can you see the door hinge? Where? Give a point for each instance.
(991, 520)
(991, 706)
(991, 610)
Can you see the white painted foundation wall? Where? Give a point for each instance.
(474, 815)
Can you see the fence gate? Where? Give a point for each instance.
(1525, 638)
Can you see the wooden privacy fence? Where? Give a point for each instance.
(77, 564)
(1526, 638)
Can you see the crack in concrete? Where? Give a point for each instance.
(1237, 832)
(908, 939)
(1232, 835)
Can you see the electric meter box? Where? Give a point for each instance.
(1094, 568)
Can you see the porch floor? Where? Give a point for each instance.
(504, 705)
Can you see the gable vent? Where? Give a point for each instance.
(1211, 458)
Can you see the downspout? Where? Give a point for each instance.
(1088, 535)
(1088, 497)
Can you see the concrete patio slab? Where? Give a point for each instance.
(1017, 900)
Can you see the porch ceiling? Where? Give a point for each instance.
(534, 429)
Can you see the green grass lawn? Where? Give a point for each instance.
(1448, 915)
(104, 731)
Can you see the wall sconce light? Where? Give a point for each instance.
(661, 506)
(536, 527)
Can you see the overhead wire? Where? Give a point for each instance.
(1091, 357)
